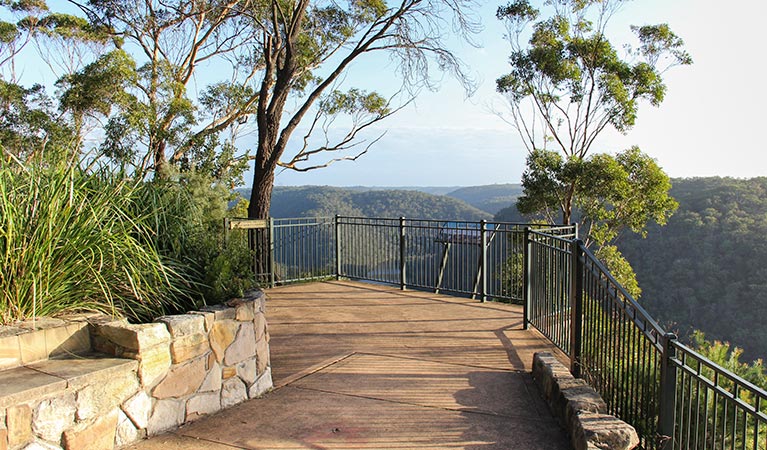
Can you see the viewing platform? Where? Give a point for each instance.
(364, 366)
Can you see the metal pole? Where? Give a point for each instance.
(576, 305)
(338, 247)
(526, 292)
(667, 392)
(483, 262)
(402, 255)
(271, 253)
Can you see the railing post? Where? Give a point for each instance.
(338, 247)
(666, 409)
(526, 279)
(402, 254)
(271, 253)
(576, 306)
(483, 262)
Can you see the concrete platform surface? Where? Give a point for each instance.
(361, 366)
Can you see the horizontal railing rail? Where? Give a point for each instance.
(675, 397)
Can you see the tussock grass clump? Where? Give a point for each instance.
(72, 241)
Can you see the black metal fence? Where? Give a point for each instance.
(673, 396)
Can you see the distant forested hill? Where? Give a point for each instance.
(308, 201)
(707, 269)
(491, 198)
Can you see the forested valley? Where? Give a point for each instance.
(705, 270)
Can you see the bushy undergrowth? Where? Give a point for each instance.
(76, 241)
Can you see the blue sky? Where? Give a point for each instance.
(710, 123)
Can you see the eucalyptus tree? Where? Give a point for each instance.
(568, 83)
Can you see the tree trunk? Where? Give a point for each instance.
(261, 192)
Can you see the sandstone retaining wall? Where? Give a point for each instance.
(146, 379)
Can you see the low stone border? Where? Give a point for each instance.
(580, 410)
(145, 380)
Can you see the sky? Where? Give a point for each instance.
(709, 124)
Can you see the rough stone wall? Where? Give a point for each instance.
(580, 409)
(185, 366)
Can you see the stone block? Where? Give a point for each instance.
(262, 385)
(96, 435)
(233, 392)
(244, 310)
(10, 353)
(136, 337)
(208, 317)
(3, 439)
(167, 414)
(262, 355)
(32, 346)
(126, 431)
(222, 334)
(138, 408)
(40, 445)
(243, 347)
(228, 372)
(183, 324)
(259, 322)
(246, 370)
(203, 404)
(153, 364)
(18, 421)
(220, 312)
(182, 380)
(72, 338)
(99, 398)
(54, 415)
(212, 381)
(604, 432)
(188, 347)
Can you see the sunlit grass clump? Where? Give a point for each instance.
(70, 241)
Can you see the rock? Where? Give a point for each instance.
(222, 335)
(220, 312)
(18, 420)
(99, 398)
(187, 347)
(228, 372)
(137, 337)
(212, 381)
(126, 432)
(202, 404)
(604, 432)
(183, 324)
(52, 416)
(38, 445)
(98, 435)
(208, 317)
(262, 355)
(246, 370)
(262, 385)
(168, 414)
(138, 408)
(153, 365)
(233, 392)
(243, 347)
(259, 321)
(244, 311)
(181, 380)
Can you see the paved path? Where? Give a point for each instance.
(361, 366)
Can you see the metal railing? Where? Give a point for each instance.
(673, 396)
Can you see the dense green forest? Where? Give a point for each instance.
(491, 198)
(309, 201)
(707, 268)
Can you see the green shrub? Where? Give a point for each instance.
(71, 241)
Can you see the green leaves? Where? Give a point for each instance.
(354, 102)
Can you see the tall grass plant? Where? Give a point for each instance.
(72, 241)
